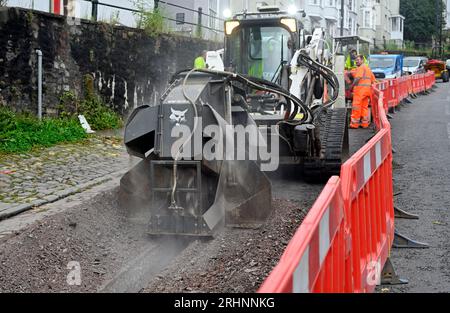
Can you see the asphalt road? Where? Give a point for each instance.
(421, 136)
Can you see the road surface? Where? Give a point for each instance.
(421, 136)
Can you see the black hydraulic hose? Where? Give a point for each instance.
(281, 91)
(261, 84)
(325, 72)
(328, 75)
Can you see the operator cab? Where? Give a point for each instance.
(261, 45)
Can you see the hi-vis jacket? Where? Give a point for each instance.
(364, 77)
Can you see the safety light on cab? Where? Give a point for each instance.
(230, 26)
(291, 23)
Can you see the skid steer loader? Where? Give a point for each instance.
(277, 81)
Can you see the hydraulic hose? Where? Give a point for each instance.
(265, 85)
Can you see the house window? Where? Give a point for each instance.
(212, 18)
(179, 17)
(212, 13)
(367, 19)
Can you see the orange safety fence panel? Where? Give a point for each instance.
(377, 99)
(367, 189)
(403, 89)
(346, 238)
(317, 258)
(391, 93)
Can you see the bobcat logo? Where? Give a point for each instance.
(178, 117)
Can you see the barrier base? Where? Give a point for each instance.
(389, 276)
(413, 95)
(399, 213)
(403, 242)
(407, 101)
(390, 117)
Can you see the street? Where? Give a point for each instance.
(116, 255)
(225, 146)
(421, 136)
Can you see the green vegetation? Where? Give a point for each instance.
(97, 113)
(151, 21)
(22, 132)
(420, 22)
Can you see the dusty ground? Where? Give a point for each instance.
(115, 255)
(237, 260)
(240, 260)
(95, 234)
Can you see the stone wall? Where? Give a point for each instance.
(129, 67)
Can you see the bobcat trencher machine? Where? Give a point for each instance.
(277, 80)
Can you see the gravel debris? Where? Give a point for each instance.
(237, 260)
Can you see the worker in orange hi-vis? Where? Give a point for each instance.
(362, 93)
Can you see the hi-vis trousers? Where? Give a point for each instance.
(360, 107)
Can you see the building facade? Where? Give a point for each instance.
(378, 21)
(388, 23)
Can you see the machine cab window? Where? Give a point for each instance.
(260, 52)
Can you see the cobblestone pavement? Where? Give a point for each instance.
(48, 174)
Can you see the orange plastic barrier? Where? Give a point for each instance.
(377, 99)
(403, 89)
(368, 195)
(419, 83)
(343, 243)
(317, 258)
(345, 240)
(430, 80)
(391, 93)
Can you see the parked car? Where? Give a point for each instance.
(448, 65)
(414, 65)
(439, 68)
(385, 66)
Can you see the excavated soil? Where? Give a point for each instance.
(100, 237)
(95, 234)
(236, 261)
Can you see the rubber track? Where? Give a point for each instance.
(332, 139)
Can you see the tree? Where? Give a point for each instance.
(420, 19)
